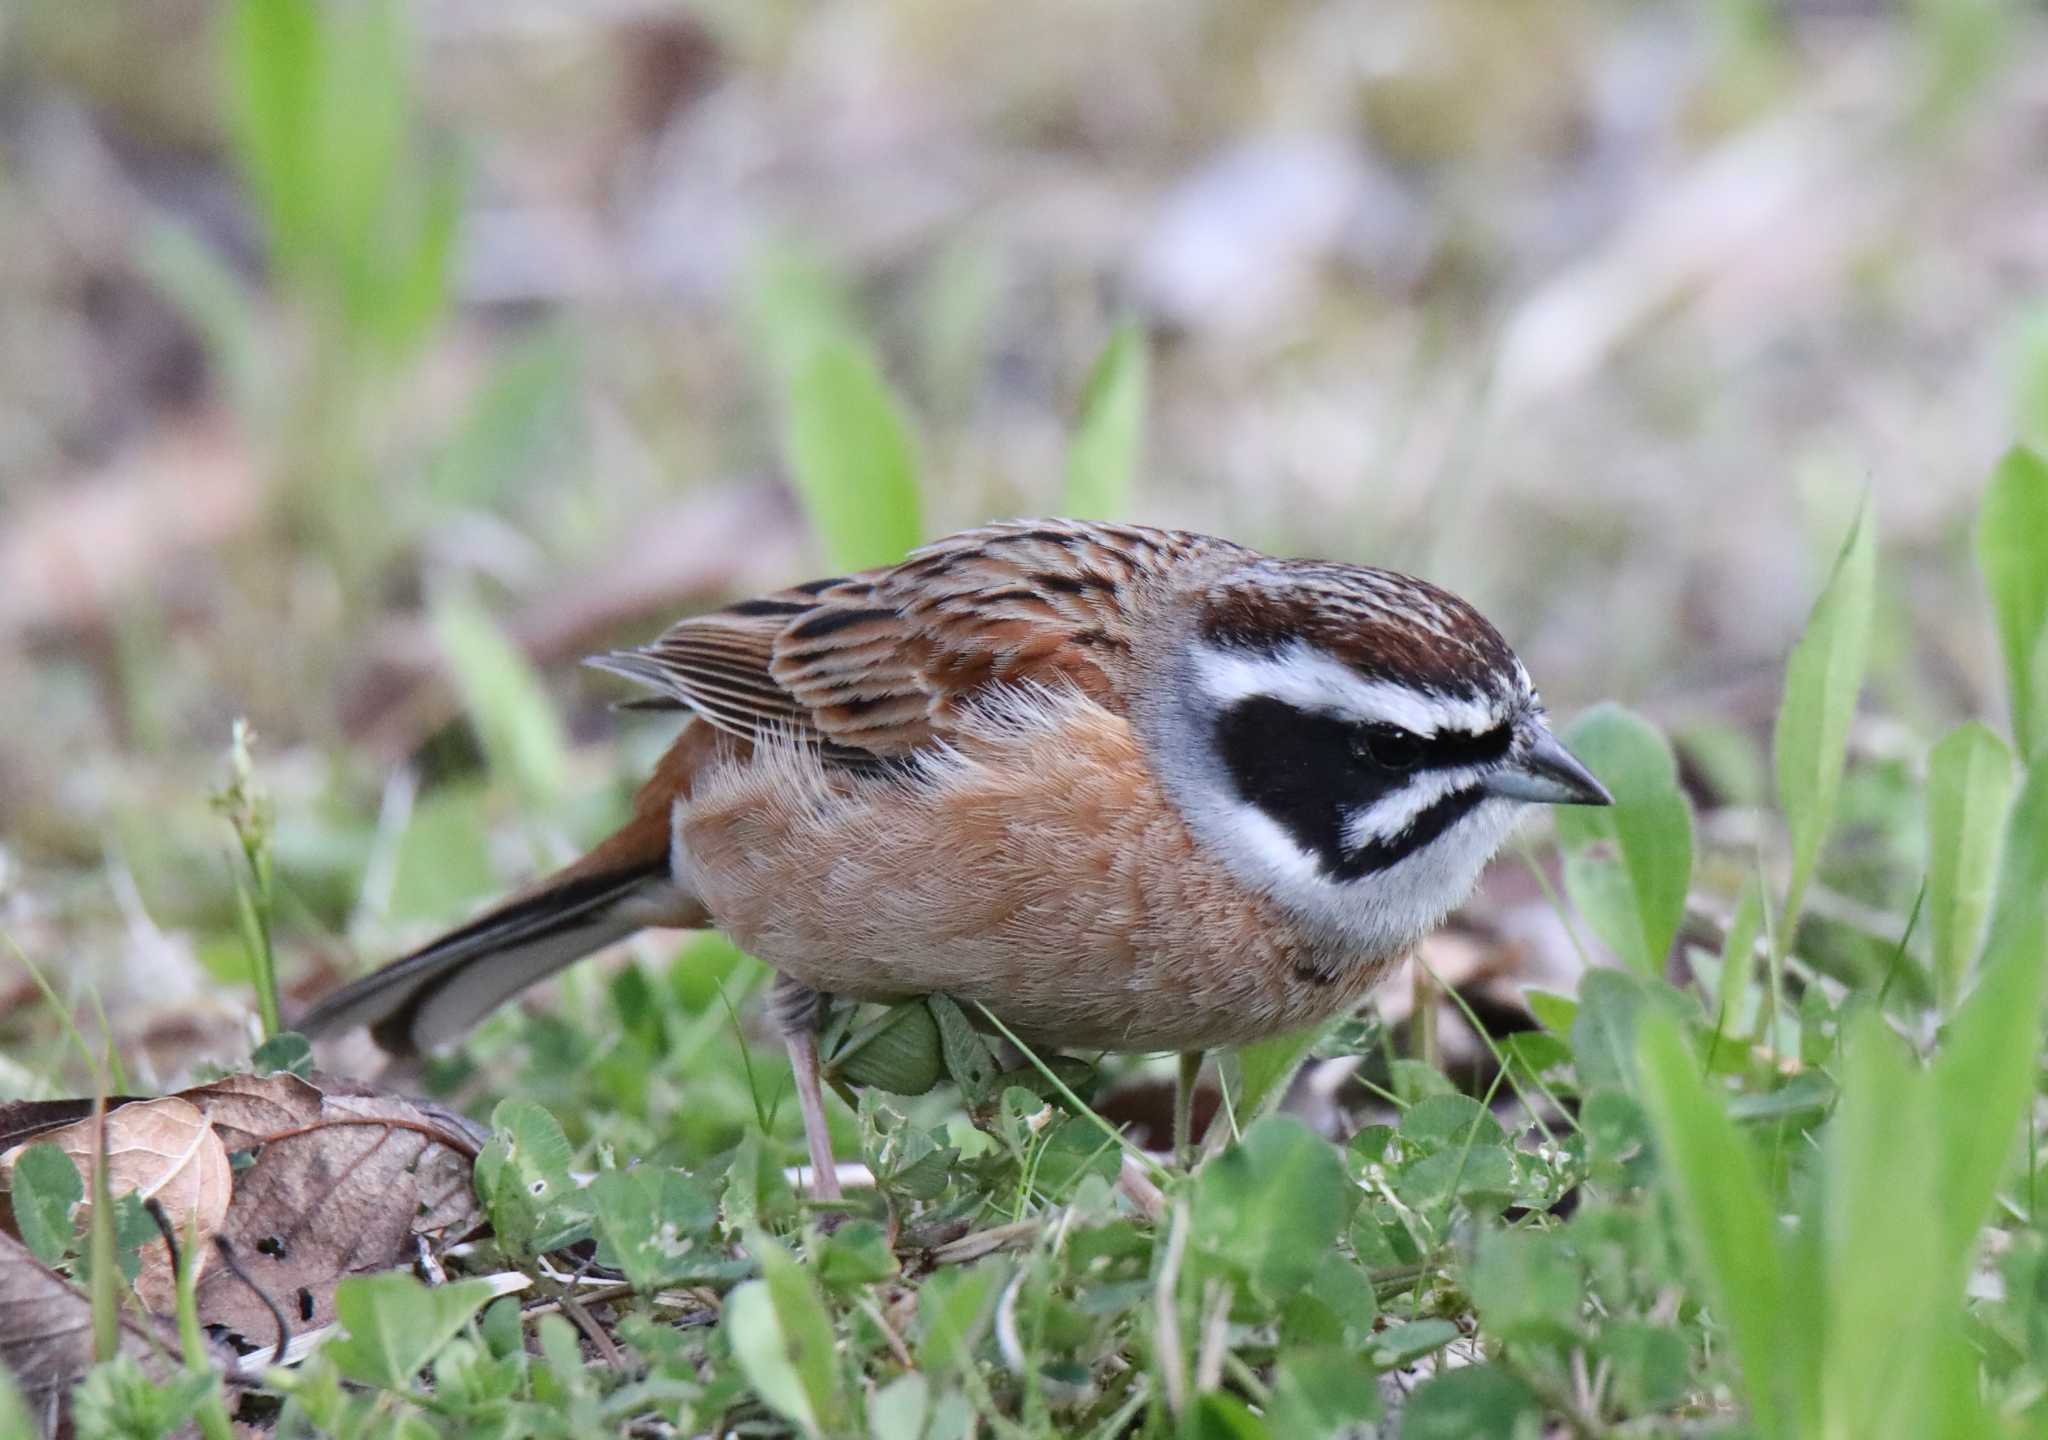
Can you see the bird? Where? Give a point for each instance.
(1130, 789)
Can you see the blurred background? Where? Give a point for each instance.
(364, 366)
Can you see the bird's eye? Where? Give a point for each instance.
(1387, 746)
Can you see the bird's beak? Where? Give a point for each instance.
(1544, 772)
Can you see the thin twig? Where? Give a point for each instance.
(573, 1308)
(284, 1332)
(889, 1336)
(984, 1242)
(154, 1208)
(449, 1140)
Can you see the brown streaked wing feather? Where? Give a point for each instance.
(883, 662)
(717, 665)
(889, 666)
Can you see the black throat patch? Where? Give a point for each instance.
(1309, 771)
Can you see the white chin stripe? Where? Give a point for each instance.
(1306, 678)
(1382, 912)
(1396, 811)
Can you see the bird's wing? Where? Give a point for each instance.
(875, 665)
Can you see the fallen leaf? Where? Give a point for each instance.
(46, 1335)
(163, 1150)
(345, 1182)
(23, 1121)
(248, 1109)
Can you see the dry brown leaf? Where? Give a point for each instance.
(247, 1109)
(164, 1150)
(23, 1121)
(46, 1334)
(345, 1182)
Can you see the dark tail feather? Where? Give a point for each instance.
(442, 989)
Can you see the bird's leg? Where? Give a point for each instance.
(1184, 1105)
(796, 1010)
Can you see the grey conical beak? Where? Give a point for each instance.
(1543, 772)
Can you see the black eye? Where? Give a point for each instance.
(1387, 746)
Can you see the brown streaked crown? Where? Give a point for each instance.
(1382, 624)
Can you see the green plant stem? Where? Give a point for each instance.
(213, 1413)
(106, 1298)
(1500, 1060)
(62, 1011)
(248, 814)
(1070, 1097)
(254, 914)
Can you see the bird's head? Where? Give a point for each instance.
(1353, 742)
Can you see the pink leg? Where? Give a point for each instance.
(810, 1103)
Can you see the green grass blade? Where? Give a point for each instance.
(849, 443)
(1264, 1068)
(853, 457)
(62, 1011)
(521, 734)
(2012, 551)
(1821, 685)
(1885, 1302)
(273, 71)
(1733, 1017)
(2022, 901)
(1985, 1076)
(1102, 457)
(1969, 788)
(792, 305)
(247, 807)
(1986, 1071)
(212, 1416)
(781, 1335)
(412, 286)
(1628, 866)
(100, 1248)
(1729, 1228)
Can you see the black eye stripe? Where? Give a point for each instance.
(1309, 771)
(1298, 769)
(1386, 746)
(1449, 749)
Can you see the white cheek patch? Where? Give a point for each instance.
(1304, 677)
(1265, 844)
(1379, 914)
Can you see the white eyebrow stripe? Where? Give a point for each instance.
(1308, 679)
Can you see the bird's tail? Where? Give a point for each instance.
(442, 989)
